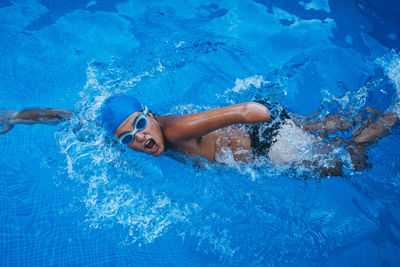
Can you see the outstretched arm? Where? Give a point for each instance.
(9, 118)
(182, 128)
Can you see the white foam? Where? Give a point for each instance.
(391, 66)
(243, 84)
(242, 88)
(317, 5)
(99, 166)
(188, 108)
(283, 14)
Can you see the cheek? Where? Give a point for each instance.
(135, 147)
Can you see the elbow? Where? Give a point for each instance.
(256, 112)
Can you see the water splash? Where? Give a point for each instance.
(129, 190)
(117, 190)
(247, 88)
(295, 146)
(391, 66)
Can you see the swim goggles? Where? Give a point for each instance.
(138, 124)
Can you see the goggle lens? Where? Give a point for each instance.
(140, 124)
(127, 139)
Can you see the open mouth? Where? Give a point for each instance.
(151, 145)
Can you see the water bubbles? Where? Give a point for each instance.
(213, 205)
(391, 66)
(349, 39)
(117, 186)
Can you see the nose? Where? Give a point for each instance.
(139, 136)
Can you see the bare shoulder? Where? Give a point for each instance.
(169, 126)
(168, 122)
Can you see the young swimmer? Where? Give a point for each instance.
(194, 134)
(270, 131)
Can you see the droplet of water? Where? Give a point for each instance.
(349, 39)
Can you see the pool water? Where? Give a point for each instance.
(70, 197)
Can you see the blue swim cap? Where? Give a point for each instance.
(116, 109)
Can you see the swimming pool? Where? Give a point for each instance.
(68, 197)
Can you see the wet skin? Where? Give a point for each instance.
(371, 130)
(195, 134)
(151, 134)
(204, 134)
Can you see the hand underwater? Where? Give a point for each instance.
(6, 122)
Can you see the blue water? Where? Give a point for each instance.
(69, 197)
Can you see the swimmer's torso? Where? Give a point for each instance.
(234, 143)
(212, 145)
(283, 146)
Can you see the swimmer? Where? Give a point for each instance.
(269, 131)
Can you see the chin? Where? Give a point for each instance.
(159, 152)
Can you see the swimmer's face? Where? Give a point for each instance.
(149, 140)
